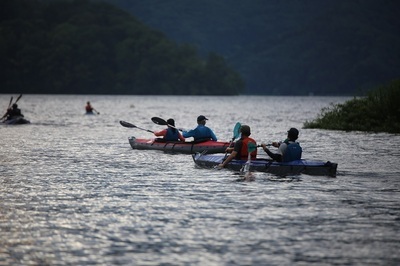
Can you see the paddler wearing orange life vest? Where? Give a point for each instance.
(240, 150)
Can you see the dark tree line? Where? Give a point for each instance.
(90, 47)
(290, 47)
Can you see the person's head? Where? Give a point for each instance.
(15, 105)
(171, 122)
(201, 119)
(293, 133)
(88, 103)
(245, 130)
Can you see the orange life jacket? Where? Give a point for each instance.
(244, 151)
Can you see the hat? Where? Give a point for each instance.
(15, 105)
(201, 118)
(245, 130)
(293, 132)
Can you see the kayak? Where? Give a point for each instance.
(16, 121)
(208, 146)
(309, 167)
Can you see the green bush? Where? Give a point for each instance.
(379, 111)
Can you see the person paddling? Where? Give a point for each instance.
(201, 132)
(13, 112)
(90, 109)
(170, 133)
(288, 150)
(241, 151)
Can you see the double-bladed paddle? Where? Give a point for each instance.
(9, 105)
(160, 121)
(19, 97)
(127, 124)
(236, 131)
(250, 148)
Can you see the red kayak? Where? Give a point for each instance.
(208, 146)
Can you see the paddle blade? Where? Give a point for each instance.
(159, 121)
(236, 131)
(19, 97)
(126, 124)
(251, 147)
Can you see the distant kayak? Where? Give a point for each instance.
(187, 147)
(16, 121)
(309, 167)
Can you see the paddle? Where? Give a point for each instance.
(236, 131)
(9, 105)
(96, 111)
(236, 134)
(250, 148)
(126, 124)
(160, 121)
(19, 97)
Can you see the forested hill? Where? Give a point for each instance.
(289, 46)
(81, 46)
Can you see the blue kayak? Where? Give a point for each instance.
(309, 167)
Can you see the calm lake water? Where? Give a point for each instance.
(73, 192)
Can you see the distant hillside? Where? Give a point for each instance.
(290, 46)
(80, 46)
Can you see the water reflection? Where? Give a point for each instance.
(73, 191)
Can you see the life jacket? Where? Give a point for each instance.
(171, 135)
(244, 151)
(293, 152)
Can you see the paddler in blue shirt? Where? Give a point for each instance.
(201, 132)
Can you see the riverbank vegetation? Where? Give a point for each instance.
(379, 111)
(85, 47)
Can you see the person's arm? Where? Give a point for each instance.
(275, 156)
(229, 150)
(213, 137)
(160, 133)
(227, 160)
(181, 138)
(188, 134)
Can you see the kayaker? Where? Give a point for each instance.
(14, 112)
(201, 132)
(288, 150)
(170, 133)
(90, 109)
(240, 150)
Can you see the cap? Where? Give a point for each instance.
(201, 118)
(245, 130)
(293, 132)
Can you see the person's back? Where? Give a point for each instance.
(242, 146)
(170, 133)
(241, 149)
(201, 132)
(89, 108)
(289, 150)
(292, 151)
(14, 112)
